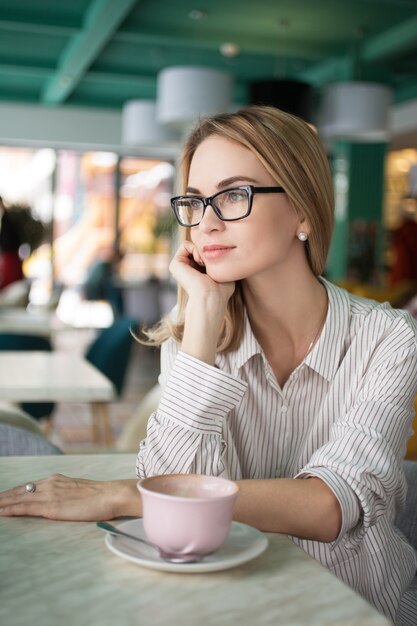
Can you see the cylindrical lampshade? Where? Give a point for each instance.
(187, 93)
(140, 126)
(292, 96)
(356, 111)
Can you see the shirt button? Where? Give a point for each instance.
(284, 409)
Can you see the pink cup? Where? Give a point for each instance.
(187, 515)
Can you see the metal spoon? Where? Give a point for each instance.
(109, 528)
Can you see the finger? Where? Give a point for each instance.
(18, 502)
(42, 485)
(34, 508)
(187, 250)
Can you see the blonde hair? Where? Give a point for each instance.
(292, 153)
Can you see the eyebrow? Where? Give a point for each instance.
(227, 182)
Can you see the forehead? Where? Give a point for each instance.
(218, 158)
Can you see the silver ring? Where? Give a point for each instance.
(30, 487)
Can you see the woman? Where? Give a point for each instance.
(271, 375)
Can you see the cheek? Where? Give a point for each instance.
(192, 235)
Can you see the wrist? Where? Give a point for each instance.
(127, 500)
(205, 314)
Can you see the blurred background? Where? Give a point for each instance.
(96, 97)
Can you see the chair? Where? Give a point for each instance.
(15, 295)
(13, 415)
(17, 341)
(411, 454)
(135, 429)
(110, 351)
(406, 520)
(15, 441)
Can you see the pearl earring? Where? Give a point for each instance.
(302, 236)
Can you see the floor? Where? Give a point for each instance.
(71, 427)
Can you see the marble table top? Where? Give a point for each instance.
(18, 320)
(62, 573)
(51, 377)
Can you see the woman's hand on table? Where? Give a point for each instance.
(59, 497)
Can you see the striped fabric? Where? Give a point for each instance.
(344, 415)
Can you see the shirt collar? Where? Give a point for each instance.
(248, 347)
(325, 355)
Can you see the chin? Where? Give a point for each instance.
(224, 276)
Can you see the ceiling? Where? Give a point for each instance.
(100, 53)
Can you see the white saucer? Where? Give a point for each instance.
(243, 544)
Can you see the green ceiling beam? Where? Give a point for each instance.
(333, 69)
(24, 71)
(394, 41)
(37, 28)
(102, 20)
(121, 81)
(208, 41)
(387, 45)
(148, 83)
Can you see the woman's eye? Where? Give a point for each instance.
(235, 196)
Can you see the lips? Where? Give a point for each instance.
(215, 251)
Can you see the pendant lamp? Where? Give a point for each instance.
(185, 93)
(355, 111)
(140, 126)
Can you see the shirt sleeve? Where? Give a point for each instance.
(362, 461)
(185, 433)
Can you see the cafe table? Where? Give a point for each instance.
(63, 573)
(18, 320)
(32, 376)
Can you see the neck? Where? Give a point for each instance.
(287, 319)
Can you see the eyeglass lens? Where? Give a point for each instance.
(231, 204)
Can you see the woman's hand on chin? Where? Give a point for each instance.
(62, 498)
(206, 305)
(188, 269)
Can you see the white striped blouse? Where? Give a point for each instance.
(344, 415)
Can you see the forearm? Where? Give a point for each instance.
(206, 305)
(304, 508)
(125, 498)
(203, 320)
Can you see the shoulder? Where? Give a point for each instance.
(375, 320)
(383, 317)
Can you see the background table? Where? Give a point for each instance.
(56, 377)
(62, 573)
(18, 320)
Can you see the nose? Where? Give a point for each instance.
(210, 221)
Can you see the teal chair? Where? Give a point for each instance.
(110, 352)
(15, 441)
(406, 522)
(17, 341)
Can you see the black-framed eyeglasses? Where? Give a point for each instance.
(229, 205)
